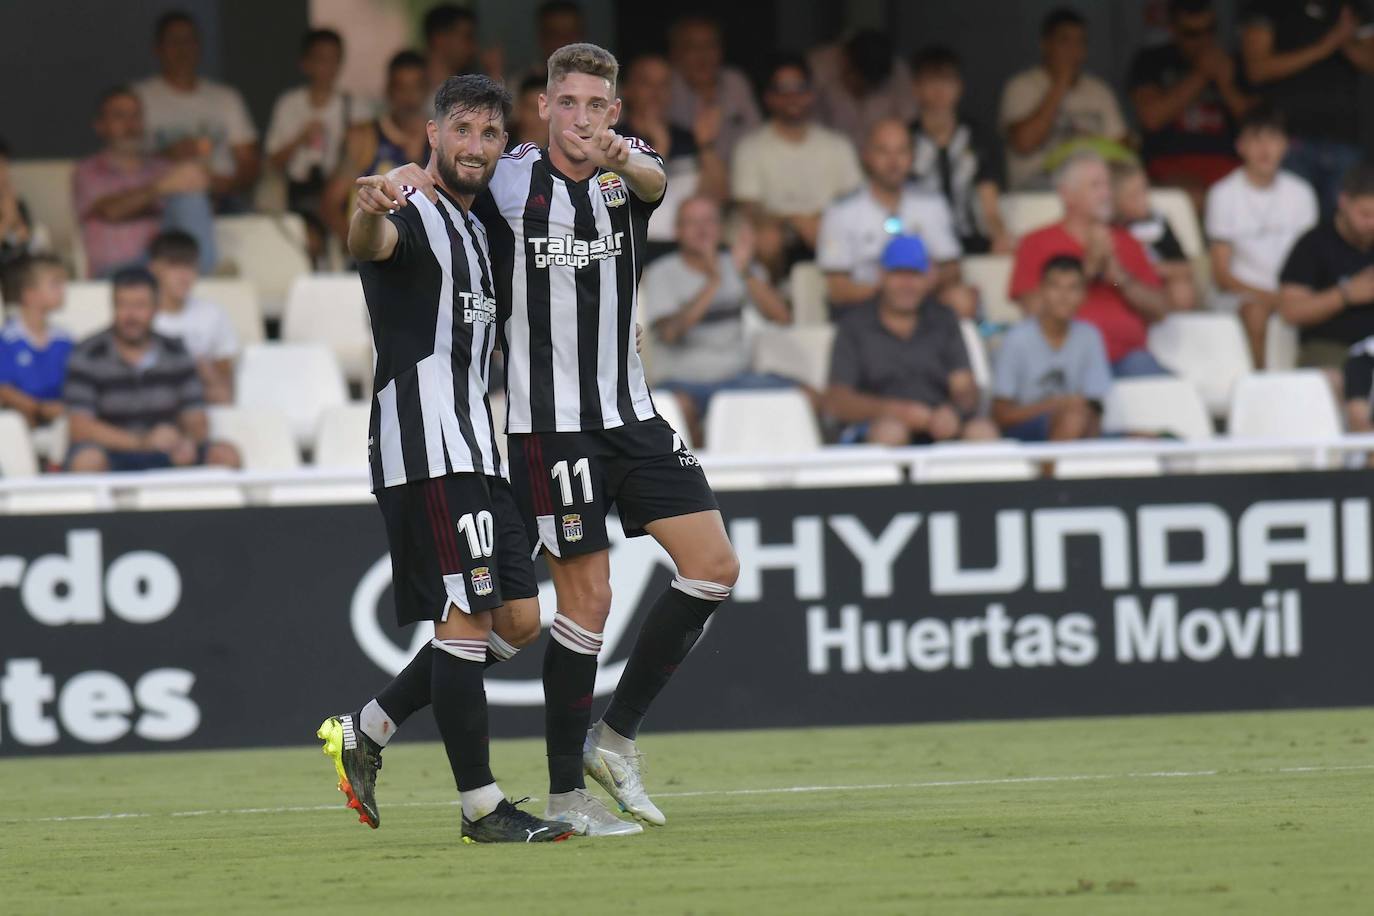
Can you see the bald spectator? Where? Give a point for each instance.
(124, 196)
(191, 119)
(857, 227)
(860, 82)
(703, 87)
(787, 171)
(1055, 104)
(899, 372)
(1124, 293)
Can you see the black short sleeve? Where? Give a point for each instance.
(991, 157)
(1303, 266)
(1359, 371)
(410, 236)
(1168, 247)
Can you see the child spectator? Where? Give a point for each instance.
(1052, 372)
(33, 353)
(203, 328)
(1131, 204)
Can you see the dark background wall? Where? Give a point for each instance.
(56, 56)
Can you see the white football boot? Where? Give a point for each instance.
(588, 815)
(621, 775)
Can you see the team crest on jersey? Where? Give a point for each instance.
(612, 189)
(572, 528)
(481, 580)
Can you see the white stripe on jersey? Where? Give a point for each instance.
(517, 333)
(478, 408)
(608, 318)
(389, 426)
(567, 399)
(634, 366)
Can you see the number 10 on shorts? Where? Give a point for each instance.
(480, 531)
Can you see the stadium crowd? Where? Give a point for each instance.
(858, 165)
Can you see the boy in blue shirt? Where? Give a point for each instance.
(33, 354)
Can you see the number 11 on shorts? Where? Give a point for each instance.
(582, 470)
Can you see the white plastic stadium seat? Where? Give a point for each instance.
(1206, 348)
(1284, 405)
(670, 409)
(268, 251)
(1280, 345)
(991, 275)
(761, 423)
(801, 353)
(240, 300)
(1026, 211)
(1177, 207)
(939, 465)
(262, 436)
(300, 380)
(45, 186)
(342, 442)
(87, 309)
(17, 457)
(1156, 404)
(807, 285)
(329, 309)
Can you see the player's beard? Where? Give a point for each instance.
(455, 182)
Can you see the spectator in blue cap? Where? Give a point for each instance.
(899, 372)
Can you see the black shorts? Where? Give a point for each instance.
(455, 541)
(566, 483)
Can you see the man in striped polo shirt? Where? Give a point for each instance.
(134, 397)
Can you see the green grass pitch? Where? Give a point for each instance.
(1249, 813)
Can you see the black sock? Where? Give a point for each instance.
(673, 626)
(460, 709)
(408, 692)
(569, 678)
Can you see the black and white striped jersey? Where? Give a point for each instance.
(568, 255)
(433, 312)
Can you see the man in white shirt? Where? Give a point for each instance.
(856, 228)
(309, 123)
(790, 169)
(188, 117)
(1254, 215)
(1055, 103)
(204, 328)
(704, 87)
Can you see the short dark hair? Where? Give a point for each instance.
(533, 82)
(169, 19)
(1057, 18)
(127, 277)
(1264, 116)
(114, 92)
(471, 92)
(1188, 7)
(5, 151)
(444, 17)
(23, 272)
(935, 59)
(320, 36)
(555, 7)
(871, 54)
(404, 60)
(175, 247)
(787, 60)
(1358, 180)
(1066, 263)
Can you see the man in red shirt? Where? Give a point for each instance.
(1124, 294)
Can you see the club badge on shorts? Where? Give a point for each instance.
(481, 580)
(612, 189)
(572, 528)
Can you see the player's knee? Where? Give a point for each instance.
(519, 632)
(720, 567)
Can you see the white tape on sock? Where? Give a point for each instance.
(704, 589)
(469, 650)
(500, 649)
(575, 638)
